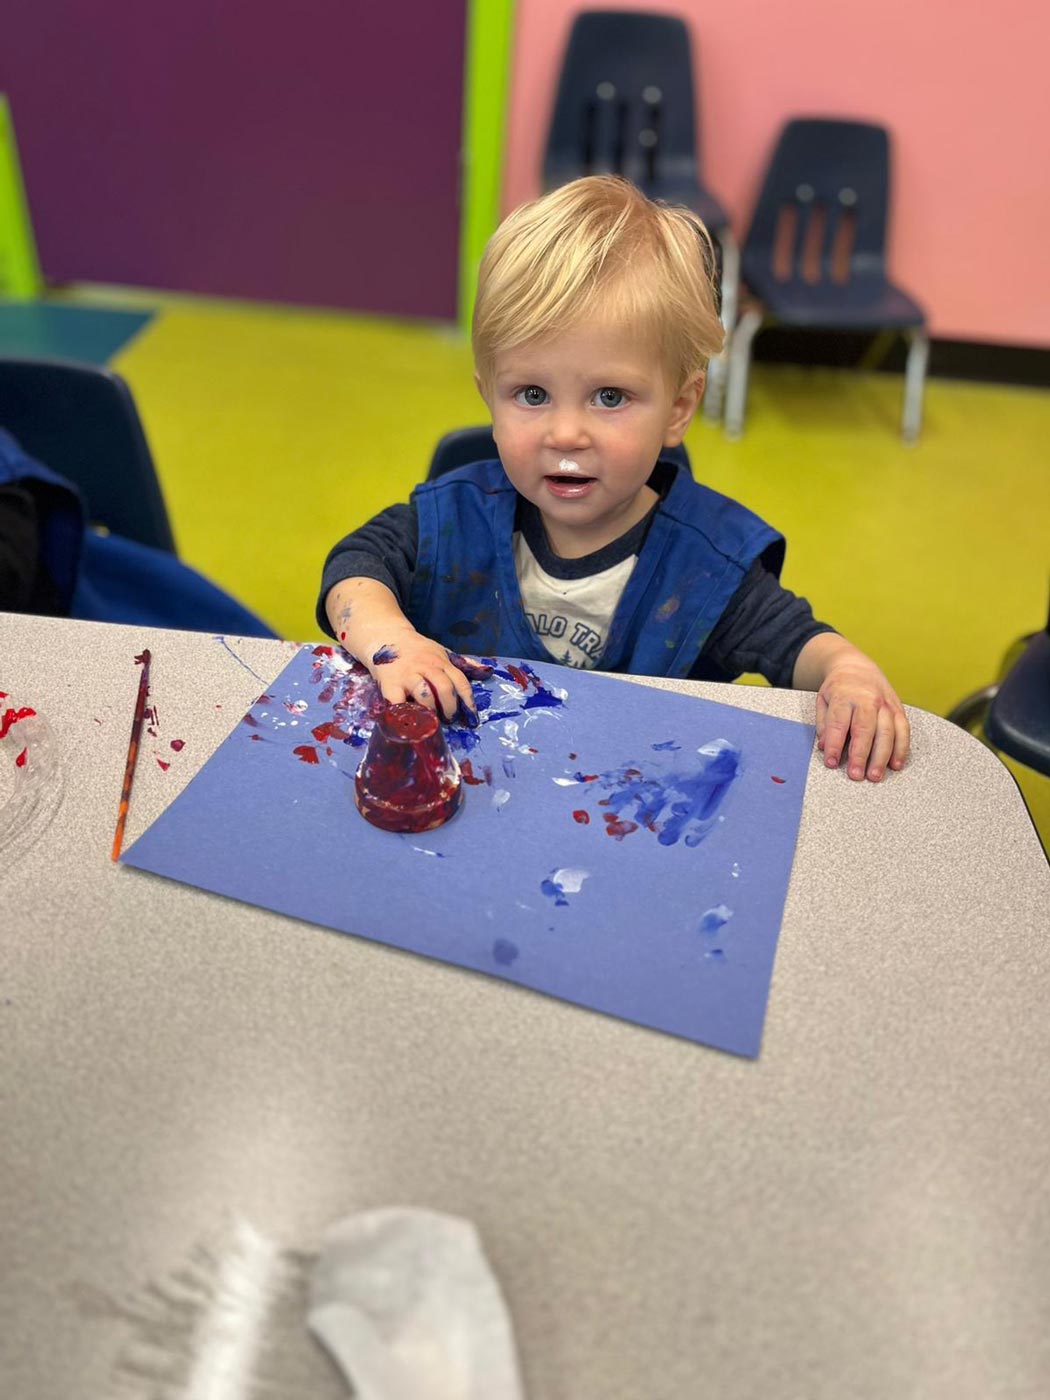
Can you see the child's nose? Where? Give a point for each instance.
(566, 429)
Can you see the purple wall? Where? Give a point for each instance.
(305, 153)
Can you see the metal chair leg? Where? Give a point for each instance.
(914, 383)
(739, 369)
(718, 367)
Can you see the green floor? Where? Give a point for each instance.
(275, 431)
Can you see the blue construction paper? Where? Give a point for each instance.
(619, 846)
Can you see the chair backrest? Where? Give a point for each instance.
(625, 102)
(465, 445)
(822, 211)
(80, 420)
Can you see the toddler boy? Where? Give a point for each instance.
(584, 543)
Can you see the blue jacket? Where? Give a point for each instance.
(465, 591)
(106, 578)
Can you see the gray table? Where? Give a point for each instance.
(187, 1083)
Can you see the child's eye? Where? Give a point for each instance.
(532, 396)
(610, 398)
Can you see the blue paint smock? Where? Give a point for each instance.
(106, 578)
(465, 591)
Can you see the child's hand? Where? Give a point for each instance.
(412, 667)
(367, 619)
(858, 712)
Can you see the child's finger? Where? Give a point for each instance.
(862, 736)
(882, 748)
(464, 691)
(836, 727)
(901, 739)
(474, 670)
(441, 692)
(822, 714)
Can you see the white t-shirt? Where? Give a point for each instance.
(570, 602)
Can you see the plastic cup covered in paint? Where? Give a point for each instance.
(408, 780)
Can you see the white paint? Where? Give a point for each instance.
(567, 466)
(500, 798)
(569, 880)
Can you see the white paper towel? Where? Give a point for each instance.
(406, 1303)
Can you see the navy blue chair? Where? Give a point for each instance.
(465, 445)
(1014, 712)
(626, 105)
(81, 420)
(815, 254)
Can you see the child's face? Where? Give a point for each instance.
(579, 421)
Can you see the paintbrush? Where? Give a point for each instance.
(133, 752)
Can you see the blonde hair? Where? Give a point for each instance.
(599, 248)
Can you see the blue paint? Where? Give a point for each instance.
(509, 770)
(674, 804)
(554, 891)
(223, 642)
(505, 952)
(715, 919)
(715, 955)
(668, 744)
(385, 655)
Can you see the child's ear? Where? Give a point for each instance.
(683, 408)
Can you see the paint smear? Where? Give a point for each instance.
(561, 883)
(712, 921)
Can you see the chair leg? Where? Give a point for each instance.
(718, 368)
(739, 370)
(914, 383)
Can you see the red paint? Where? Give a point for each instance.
(163, 765)
(519, 676)
(616, 828)
(258, 738)
(20, 761)
(342, 636)
(408, 781)
(178, 745)
(530, 749)
(328, 731)
(582, 817)
(11, 718)
(306, 753)
(323, 651)
(588, 777)
(3, 694)
(573, 757)
(467, 769)
(778, 780)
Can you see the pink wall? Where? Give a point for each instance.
(964, 89)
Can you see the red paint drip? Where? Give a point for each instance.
(519, 676)
(467, 769)
(306, 753)
(20, 761)
(776, 779)
(3, 694)
(257, 737)
(582, 817)
(323, 651)
(588, 777)
(616, 828)
(178, 745)
(162, 764)
(11, 717)
(328, 731)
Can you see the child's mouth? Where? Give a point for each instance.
(568, 487)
